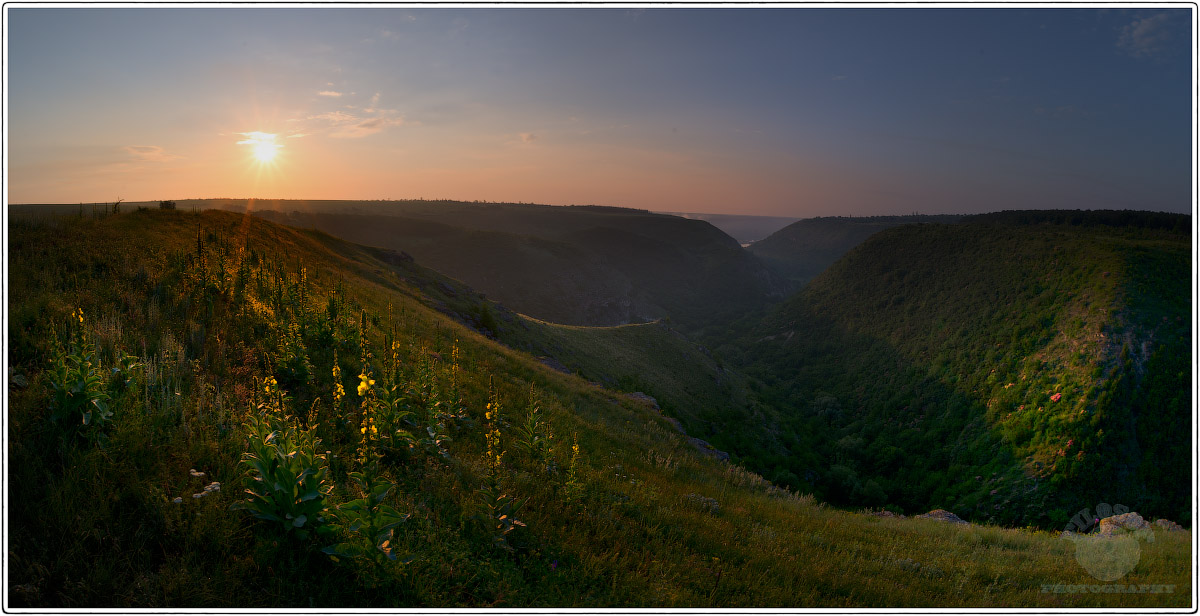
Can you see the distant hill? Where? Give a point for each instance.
(214, 410)
(573, 265)
(744, 229)
(1008, 369)
(803, 249)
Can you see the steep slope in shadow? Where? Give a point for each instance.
(1050, 337)
(574, 265)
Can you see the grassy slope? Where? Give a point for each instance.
(929, 382)
(579, 265)
(94, 525)
(710, 399)
(565, 284)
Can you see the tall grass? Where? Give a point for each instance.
(251, 342)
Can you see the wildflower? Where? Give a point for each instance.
(554, 565)
(213, 487)
(178, 500)
(339, 392)
(365, 384)
(1055, 397)
(195, 473)
(199, 495)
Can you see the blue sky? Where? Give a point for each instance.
(795, 112)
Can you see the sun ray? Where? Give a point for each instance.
(263, 146)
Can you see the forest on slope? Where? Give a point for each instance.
(215, 410)
(1007, 368)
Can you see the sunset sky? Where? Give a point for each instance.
(790, 112)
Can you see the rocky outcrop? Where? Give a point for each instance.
(1126, 523)
(648, 399)
(707, 449)
(1165, 524)
(554, 364)
(943, 516)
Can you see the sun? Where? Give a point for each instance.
(263, 147)
(265, 152)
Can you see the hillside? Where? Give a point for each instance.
(1010, 369)
(571, 265)
(709, 399)
(162, 363)
(803, 249)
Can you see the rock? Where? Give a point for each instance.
(943, 516)
(884, 513)
(707, 449)
(554, 364)
(1168, 525)
(1126, 523)
(394, 257)
(675, 423)
(641, 397)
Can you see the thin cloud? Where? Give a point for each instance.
(365, 128)
(528, 137)
(1147, 37)
(335, 117)
(330, 93)
(150, 153)
(373, 104)
(255, 137)
(345, 125)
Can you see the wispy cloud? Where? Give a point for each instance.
(150, 153)
(349, 126)
(1146, 37)
(528, 137)
(335, 117)
(365, 128)
(373, 106)
(330, 93)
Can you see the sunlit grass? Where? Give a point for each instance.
(617, 509)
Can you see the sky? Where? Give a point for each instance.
(803, 111)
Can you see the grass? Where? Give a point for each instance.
(212, 305)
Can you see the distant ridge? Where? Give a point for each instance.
(805, 248)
